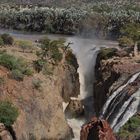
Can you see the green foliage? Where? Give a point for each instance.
(46, 19)
(11, 62)
(132, 31)
(38, 65)
(28, 72)
(7, 39)
(103, 7)
(56, 55)
(125, 42)
(48, 69)
(107, 53)
(17, 75)
(131, 128)
(1, 42)
(8, 113)
(108, 17)
(24, 45)
(16, 65)
(50, 49)
(37, 84)
(2, 81)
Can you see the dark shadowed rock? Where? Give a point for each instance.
(97, 129)
(4, 133)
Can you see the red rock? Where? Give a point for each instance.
(97, 129)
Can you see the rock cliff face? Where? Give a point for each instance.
(110, 74)
(41, 113)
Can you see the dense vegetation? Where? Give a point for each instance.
(52, 53)
(18, 66)
(6, 39)
(131, 129)
(8, 113)
(106, 53)
(99, 19)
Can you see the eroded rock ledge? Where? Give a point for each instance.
(110, 73)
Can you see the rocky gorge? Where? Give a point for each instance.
(111, 73)
(39, 98)
(85, 85)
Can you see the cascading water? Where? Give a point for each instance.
(86, 53)
(121, 106)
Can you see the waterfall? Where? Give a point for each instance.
(86, 53)
(120, 106)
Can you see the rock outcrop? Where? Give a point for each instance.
(4, 133)
(41, 113)
(74, 109)
(110, 74)
(98, 130)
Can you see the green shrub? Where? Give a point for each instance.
(37, 84)
(38, 65)
(8, 61)
(17, 75)
(125, 42)
(2, 81)
(7, 39)
(107, 53)
(11, 62)
(28, 72)
(57, 56)
(8, 113)
(50, 49)
(131, 128)
(48, 69)
(17, 65)
(24, 45)
(1, 42)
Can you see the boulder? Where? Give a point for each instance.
(97, 129)
(74, 109)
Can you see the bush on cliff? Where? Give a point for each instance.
(50, 50)
(24, 45)
(125, 42)
(131, 129)
(18, 66)
(7, 39)
(8, 113)
(17, 75)
(37, 84)
(107, 53)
